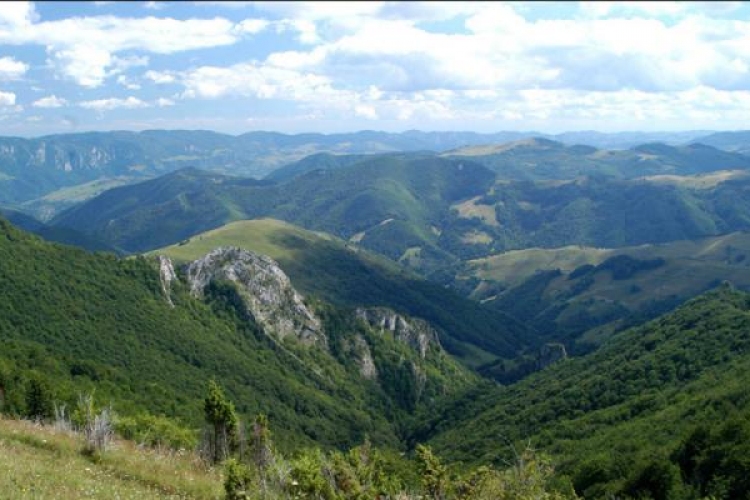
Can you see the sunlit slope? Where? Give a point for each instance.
(581, 295)
(38, 462)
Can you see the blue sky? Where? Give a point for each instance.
(393, 66)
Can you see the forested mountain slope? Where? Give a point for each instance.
(149, 341)
(659, 410)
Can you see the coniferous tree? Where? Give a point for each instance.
(222, 419)
(38, 399)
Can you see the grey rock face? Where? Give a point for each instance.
(265, 289)
(366, 364)
(416, 333)
(166, 276)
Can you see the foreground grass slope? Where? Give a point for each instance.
(39, 462)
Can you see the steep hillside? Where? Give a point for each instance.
(55, 234)
(335, 271)
(149, 339)
(319, 161)
(631, 408)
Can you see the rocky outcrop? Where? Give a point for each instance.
(549, 354)
(265, 289)
(363, 355)
(416, 333)
(166, 276)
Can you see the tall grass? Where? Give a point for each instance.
(43, 462)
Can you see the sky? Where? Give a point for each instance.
(295, 67)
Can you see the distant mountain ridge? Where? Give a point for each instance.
(33, 168)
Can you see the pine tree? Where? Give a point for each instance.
(38, 399)
(222, 417)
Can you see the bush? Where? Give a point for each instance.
(156, 431)
(237, 483)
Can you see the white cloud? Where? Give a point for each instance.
(11, 69)
(85, 64)
(51, 101)
(164, 102)
(315, 11)
(249, 79)
(307, 32)
(251, 26)
(154, 5)
(113, 103)
(84, 49)
(160, 77)
(17, 14)
(7, 99)
(128, 83)
(504, 50)
(365, 111)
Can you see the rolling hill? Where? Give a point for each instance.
(429, 213)
(581, 296)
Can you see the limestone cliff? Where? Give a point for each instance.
(265, 289)
(416, 333)
(166, 276)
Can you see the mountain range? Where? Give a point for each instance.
(43, 173)
(474, 293)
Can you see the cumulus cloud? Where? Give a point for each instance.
(7, 99)
(11, 69)
(128, 83)
(401, 62)
(84, 49)
(160, 77)
(113, 103)
(164, 102)
(500, 48)
(51, 101)
(252, 26)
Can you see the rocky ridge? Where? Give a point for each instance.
(265, 289)
(414, 332)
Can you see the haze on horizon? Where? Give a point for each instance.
(391, 66)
